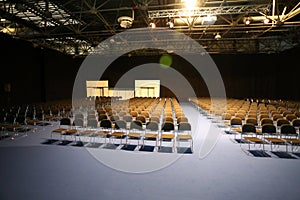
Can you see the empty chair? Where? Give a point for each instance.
(64, 125)
(235, 125)
(289, 134)
(270, 135)
(184, 133)
(151, 132)
(135, 132)
(120, 130)
(248, 134)
(106, 128)
(77, 124)
(167, 133)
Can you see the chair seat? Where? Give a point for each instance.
(32, 121)
(103, 133)
(184, 137)
(293, 140)
(134, 135)
(150, 135)
(275, 140)
(254, 139)
(60, 130)
(239, 130)
(167, 136)
(87, 132)
(118, 134)
(71, 131)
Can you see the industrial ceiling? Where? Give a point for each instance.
(76, 27)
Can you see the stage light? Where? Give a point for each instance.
(247, 21)
(266, 20)
(218, 36)
(152, 25)
(170, 24)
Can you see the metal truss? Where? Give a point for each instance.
(77, 27)
(204, 11)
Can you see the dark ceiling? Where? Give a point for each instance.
(77, 26)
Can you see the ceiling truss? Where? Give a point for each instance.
(76, 27)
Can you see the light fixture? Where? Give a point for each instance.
(218, 36)
(247, 21)
(125, 21)
(209, 20)
(152, 25)
(170, 24)
(266, 20)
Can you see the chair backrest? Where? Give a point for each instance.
(65, 121)
(154, 119)
(120, 124)
(127, 118)
(134, 113)
(78, 122)
(277, 116)
(136, 124)
(141, 118)
(184, 126)
(266, 121)
(251, 120)
(106, 123)
(92, 123)
(268, 128)
(145, 114)
(182, 119)
(168, 126)
(169, 119)
(288, 129)
(296, 122)
(236, 121)
(102, 117)
(152, 125)
(226, 116)
(281, 121)
(79, 116)
(248, 128)
(114, 118)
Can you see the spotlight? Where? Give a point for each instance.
(247, 21)
(152, 25)
(170, 24)
(218, 36)
(266, 20)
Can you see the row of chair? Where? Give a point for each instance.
(119, 130)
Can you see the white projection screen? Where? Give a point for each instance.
(96, 88)
(147, 88)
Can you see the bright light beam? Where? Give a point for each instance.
(189, 4)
